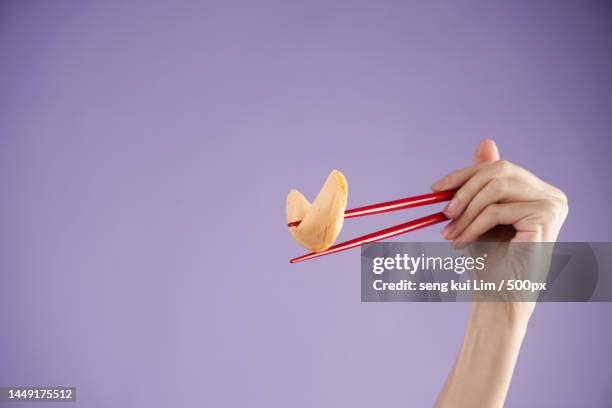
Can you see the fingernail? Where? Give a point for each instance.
(439, 185)
(452, 207)
(447, 230)
(460, 243)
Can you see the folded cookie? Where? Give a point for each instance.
(322, 220)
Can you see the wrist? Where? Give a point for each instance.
(511, 315)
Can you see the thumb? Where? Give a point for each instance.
(486, 152)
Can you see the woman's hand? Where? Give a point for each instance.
(493, 193)
(497, 201)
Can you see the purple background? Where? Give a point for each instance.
(146, 150)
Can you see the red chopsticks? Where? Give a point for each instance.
(395, 205)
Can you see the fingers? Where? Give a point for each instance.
(457, 178)
(497, 190)
(534, 221)
(502, 214)
(500, 169)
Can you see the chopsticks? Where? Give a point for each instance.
(394, 205)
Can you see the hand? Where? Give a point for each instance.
(494, 195)
(497, 201)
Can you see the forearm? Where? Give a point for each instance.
(495, 201)
(482, 372)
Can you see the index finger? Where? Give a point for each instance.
(457, 178)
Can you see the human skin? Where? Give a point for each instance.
(495, 201)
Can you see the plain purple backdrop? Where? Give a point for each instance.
(146, 149)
